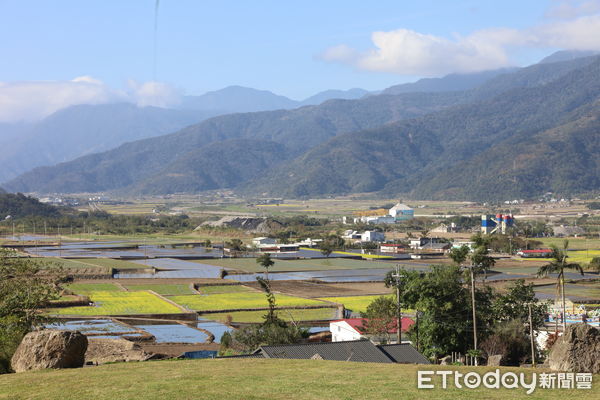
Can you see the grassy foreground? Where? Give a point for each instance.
(255, 379)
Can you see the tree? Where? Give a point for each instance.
(273, 330)
(558, 265)
(514, 305)
(380, 317)
(459, 254)
(26, 286)
(326, 248)
(445, 301)
(509, 339)
(595, 264)
(266, 262)
(479, 256)
(236, 245)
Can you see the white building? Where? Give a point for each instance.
(385, 219)
(401, 212)
(372, 236)
(263, 240)
(343, 330)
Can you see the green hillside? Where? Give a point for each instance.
(19, 205)
(476, 151)
(412, 144)
(255, 379)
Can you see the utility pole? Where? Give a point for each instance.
(471, 267)
(531, 337)
(397, 278)
(418, 312)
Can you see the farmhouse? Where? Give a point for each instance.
(418, 244)
(343, 330)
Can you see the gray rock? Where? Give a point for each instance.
(50, 349)
(578, 350)
(101, 351)
(446, 360)
(495, 360)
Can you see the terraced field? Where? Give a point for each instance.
(250, 265)
(312, 314)
(354, 303)
(163, 289)
(88, 288)
(224, 289)
(240, 300)
(120, 303)
(110, 263)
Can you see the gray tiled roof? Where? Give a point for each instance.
(358, 350)
(404, 354)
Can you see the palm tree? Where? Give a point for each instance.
(558, 266)
(266, 261)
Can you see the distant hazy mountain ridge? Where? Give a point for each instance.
(491, 140)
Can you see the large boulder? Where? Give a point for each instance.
(577, 350)
(495, 360)
(101, 351)
(50, 349)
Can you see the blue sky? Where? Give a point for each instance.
(294, 48)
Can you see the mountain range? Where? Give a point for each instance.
(501, 134)
(85, 129)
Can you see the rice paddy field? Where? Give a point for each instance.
(582, 257)
(88, 288)
(574, 243)
(162, 289)
(354, 303)
(114, 302)
(111, 263)
(589, 290)
(250, 265)
(224, 289)
(310, 314)
(240, 300)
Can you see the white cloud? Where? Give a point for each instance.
(34, 100)
(407, 52)
(569, 9)
(155, 94)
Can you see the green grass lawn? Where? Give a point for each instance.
(252, 379)
(164, 289)
(311, 314)
(240, 300)
(120, 303)
(224, 289)
(87, 288)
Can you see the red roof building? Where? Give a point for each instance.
(353, 328)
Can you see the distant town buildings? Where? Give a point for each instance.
(399, 212)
